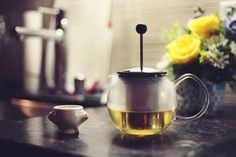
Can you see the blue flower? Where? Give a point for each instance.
(230, 29)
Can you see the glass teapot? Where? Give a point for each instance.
(143, 101)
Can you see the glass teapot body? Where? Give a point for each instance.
(142, 105)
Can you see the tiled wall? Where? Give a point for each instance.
(157, 15)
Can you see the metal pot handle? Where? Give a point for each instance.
(205, 92)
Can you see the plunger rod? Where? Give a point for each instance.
(141, 29)
(141, 52)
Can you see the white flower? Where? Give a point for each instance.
(233, 47)
(218, 59)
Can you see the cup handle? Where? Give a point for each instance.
(83, 117)
(205, 92)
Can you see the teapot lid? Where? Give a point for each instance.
(137, 72)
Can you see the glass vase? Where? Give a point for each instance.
(217, 93)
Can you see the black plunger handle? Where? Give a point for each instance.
(141, 29)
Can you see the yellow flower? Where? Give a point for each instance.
(204, 26)
(183, 49)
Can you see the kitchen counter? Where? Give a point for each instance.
(98, 137)
(90, 100)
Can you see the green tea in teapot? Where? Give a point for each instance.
(142, 123)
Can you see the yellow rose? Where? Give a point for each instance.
(204, 26)
(183, 49)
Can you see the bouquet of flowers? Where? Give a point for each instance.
(206, 47)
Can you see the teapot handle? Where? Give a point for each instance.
(205, 92)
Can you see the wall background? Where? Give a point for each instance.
(156, 14)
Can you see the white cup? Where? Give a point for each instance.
(68, 118)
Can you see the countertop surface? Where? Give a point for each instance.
(99, 137)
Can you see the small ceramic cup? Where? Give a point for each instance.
(68, 118)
